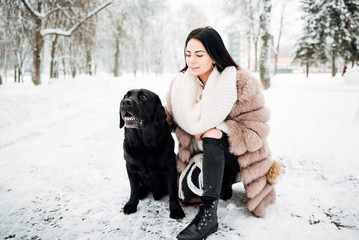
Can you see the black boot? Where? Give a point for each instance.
(205, 223)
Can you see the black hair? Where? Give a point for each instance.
(214, 46)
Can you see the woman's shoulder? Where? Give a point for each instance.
(247, 84)
(244, 75)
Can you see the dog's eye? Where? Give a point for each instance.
(143, 97)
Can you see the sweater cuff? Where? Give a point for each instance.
(223, 127)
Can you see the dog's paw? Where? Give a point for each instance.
(129, 208)
(177, 213)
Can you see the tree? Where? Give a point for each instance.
(307, 46)
(264, 70)
(335, 27)
(15, 41)
(350, 47)
(249, 17)
(306, 52)
(40, 16)
(254, 31)
(276, 47)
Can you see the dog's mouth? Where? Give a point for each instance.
(128, 117)
(131, 121)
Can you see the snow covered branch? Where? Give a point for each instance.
(36, 13)
(33, 12)
(68, 33)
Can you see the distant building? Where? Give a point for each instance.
(243, 54)
(234, 45)
(238, 48)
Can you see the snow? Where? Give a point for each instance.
(351, 76)
(63, 175)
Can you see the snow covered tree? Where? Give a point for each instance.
(116, 17)
(351, 20)
(307, 46)
(334, 28)
(16, 35)
(248, 13)
(40, 12)
(264, 69)
(306, 52)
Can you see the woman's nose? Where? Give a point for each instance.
(191, 59)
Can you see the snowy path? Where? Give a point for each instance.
(62, 173)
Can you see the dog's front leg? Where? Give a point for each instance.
(134, 178)
(176, 211)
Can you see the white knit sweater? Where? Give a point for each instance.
(196, 110)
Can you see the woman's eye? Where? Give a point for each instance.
(199, 56)
(188, 55)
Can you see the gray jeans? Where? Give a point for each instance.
(219, 170)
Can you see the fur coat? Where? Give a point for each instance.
(247, 134)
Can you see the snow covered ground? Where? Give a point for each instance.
(62, 173)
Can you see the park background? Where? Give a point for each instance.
(65, 66)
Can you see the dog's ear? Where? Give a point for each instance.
(122, 123)
(160, 116)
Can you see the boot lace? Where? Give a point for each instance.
(203, 215)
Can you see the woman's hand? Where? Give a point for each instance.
(211, 133)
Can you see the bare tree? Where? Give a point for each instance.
(253, 7)
(264, 70)
(16, 37)
(40, 15)
(276, 47)
(246, 12)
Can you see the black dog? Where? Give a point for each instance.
(148, 150)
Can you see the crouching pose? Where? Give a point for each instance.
(217, 111)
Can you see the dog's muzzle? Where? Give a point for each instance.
(128, 108)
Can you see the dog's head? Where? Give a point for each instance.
(140, 108)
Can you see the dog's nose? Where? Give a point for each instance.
(127, 102)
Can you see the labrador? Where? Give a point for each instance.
(148, 150)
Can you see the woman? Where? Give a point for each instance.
(217, 111)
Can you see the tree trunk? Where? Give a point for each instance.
(53, 51)
(256, 55)
(73, 70)
(279, 36)
(249, 51)
(88, 62)
(64, 67)
(15, 73)
(39, 43)
(334, 70)
(264, 70)
(117, 58)
(19, 75)
(307, 69)
(275, 62)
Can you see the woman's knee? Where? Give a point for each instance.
(213, 133)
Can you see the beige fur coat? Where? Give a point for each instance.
(247, 132)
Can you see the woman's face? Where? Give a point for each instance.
(198, 60)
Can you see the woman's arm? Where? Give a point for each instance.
(247, 121)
